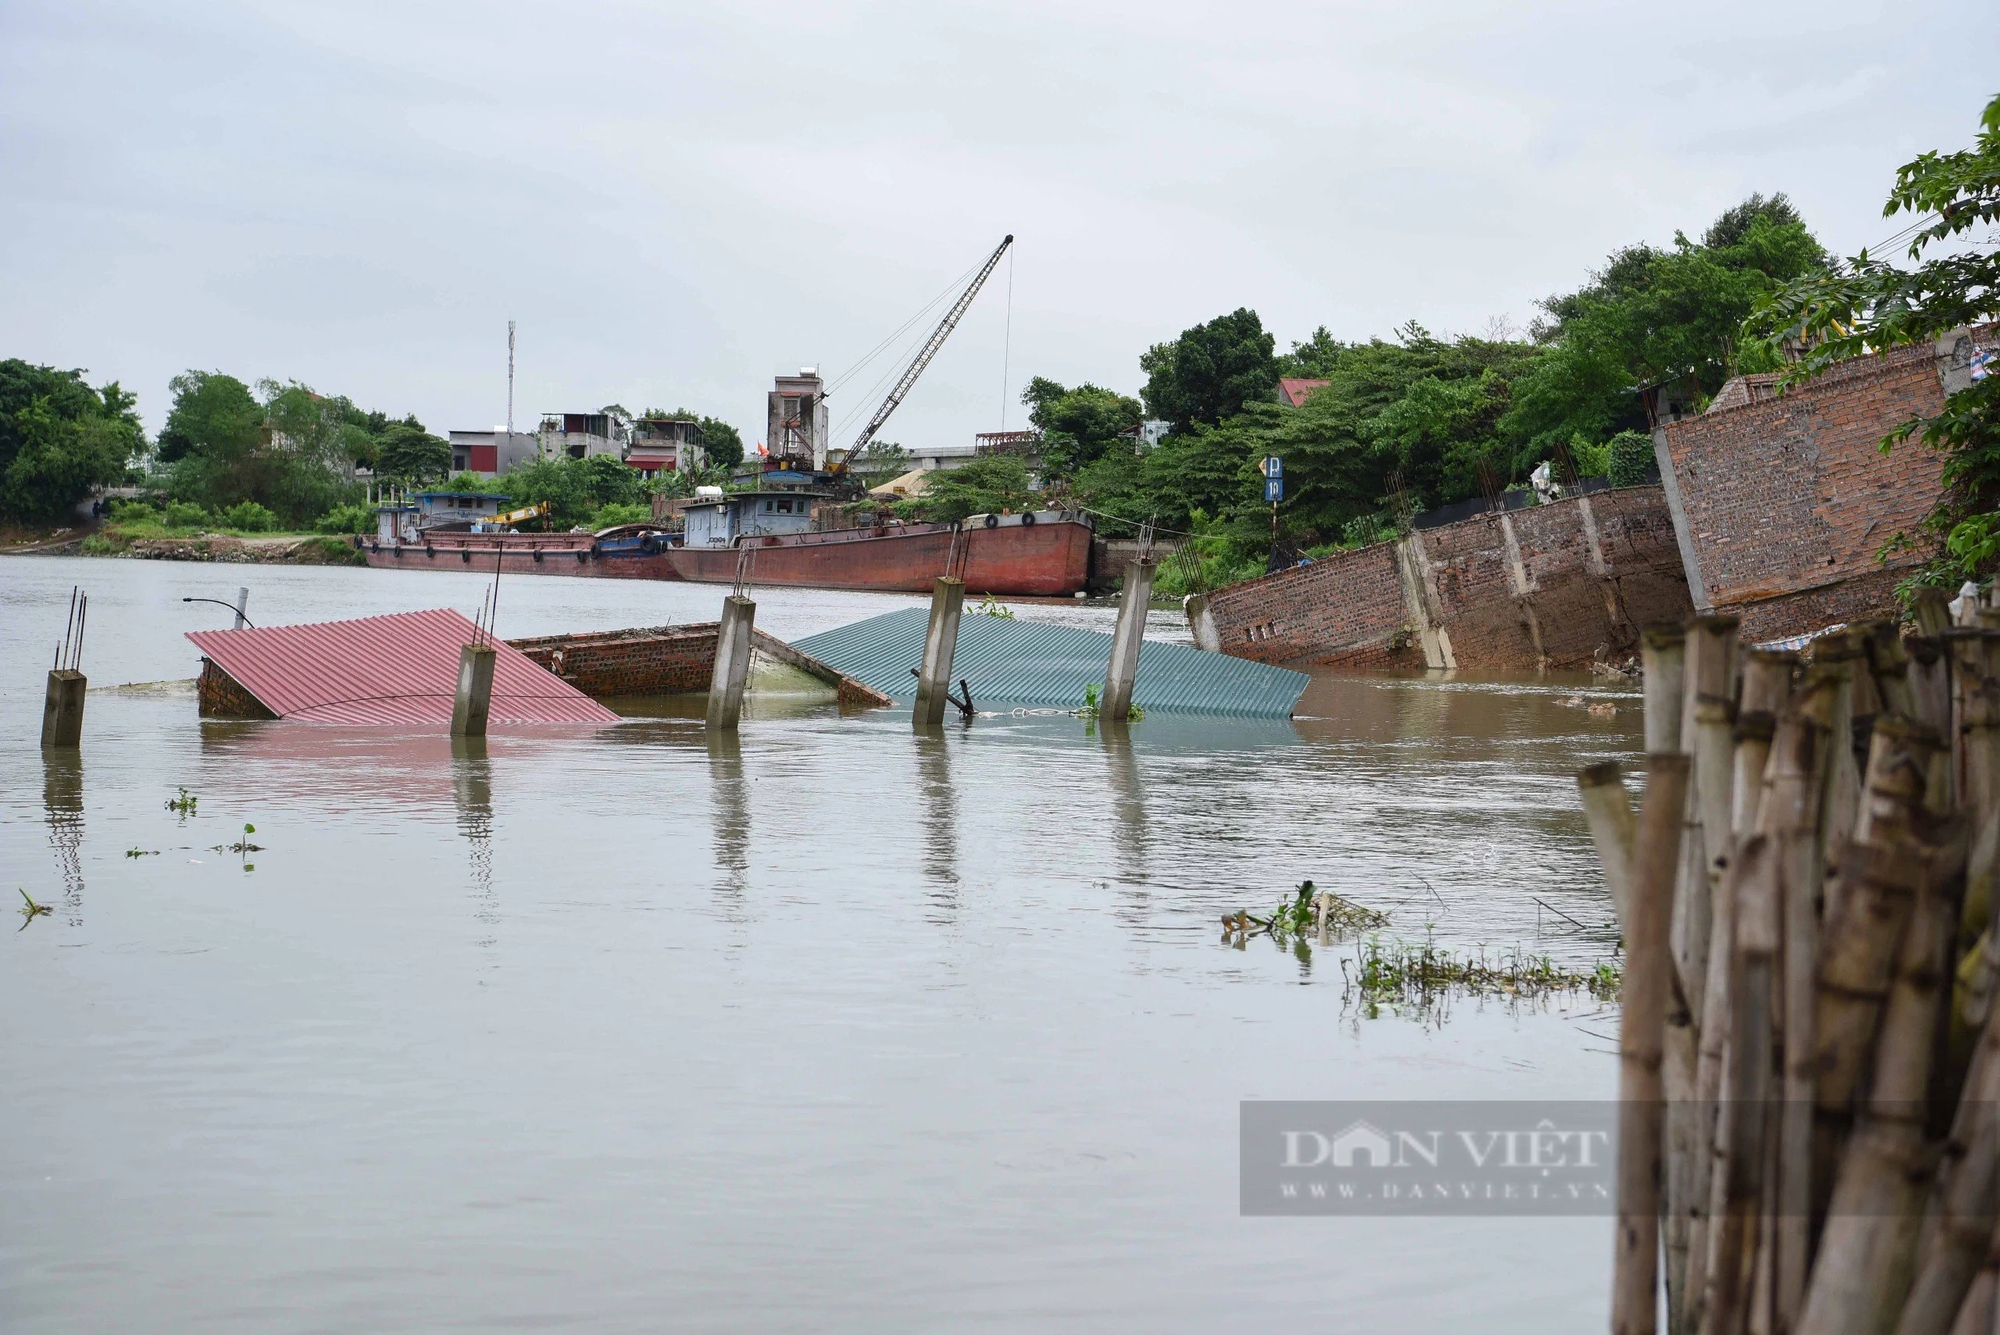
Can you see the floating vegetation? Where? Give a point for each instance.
(184, 804)
(33, 910)
(1301, 915)
(142, 852)
(1424, 979)
(243, 848)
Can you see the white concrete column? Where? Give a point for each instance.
(940, 644)
(1123, 669)
(732, 663)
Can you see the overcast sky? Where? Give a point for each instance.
(677, 201)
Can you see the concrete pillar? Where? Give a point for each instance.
(732, 663)
(62, 712)
(934, 677)
(475, 691)
(242, 605)
(1123, 669)
(1201, 622)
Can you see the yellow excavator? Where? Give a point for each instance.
(539, 510)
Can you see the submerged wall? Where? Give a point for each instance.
(1782, 501)
(670, 660)
(1552, 586)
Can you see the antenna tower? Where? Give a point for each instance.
(510, 379)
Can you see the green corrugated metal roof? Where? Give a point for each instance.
(1033, 663)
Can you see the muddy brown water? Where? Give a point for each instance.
(835, 1028)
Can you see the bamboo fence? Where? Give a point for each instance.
(1809, 1050)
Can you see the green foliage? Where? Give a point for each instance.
(59, 438)
(576, 489)
(1865, 304)
(1210, 371)
(1591, 458)
(1079, 426)
(987, 484)
(1651, 315)
(467, 481)
(131, 512)
(1632, 458)
(249, 517)
(611, 516)
(346, 519)
(406, 452)
(181, 514)
(293, 453)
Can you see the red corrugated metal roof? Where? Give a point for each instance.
(400, 669)
(1295, 390)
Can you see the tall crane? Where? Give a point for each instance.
(923, 357)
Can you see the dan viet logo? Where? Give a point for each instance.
(1427, 1158)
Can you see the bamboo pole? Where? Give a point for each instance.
(1795, 788)
(1858, 955)
(1742, 1134)
(1866, 1252)
(1607, 810)
(1648, 969)
(1958, 1235)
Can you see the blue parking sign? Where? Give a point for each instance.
(1274, 489)
(1274, 467)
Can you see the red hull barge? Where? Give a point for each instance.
(1049, 559)
(525, 554)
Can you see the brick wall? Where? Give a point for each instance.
(1347, 609)
(1543, 587)
(1787, 499)
(654, 660)
(670, 660)
(222, 696)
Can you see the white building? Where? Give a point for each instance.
(796, 424)
(581, 435)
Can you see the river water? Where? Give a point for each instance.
(836, 1028)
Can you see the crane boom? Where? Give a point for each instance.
(924, 355)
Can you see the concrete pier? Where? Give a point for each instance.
(940, 643)
(62, 712)
(1123, 669)
(1201, 623)
(475, 691)
(732, 663)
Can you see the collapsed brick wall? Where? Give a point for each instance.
(655, 660)
(670, 660)
(1785, 500)
(1549, 586)
(220, 695)
(1347, 609)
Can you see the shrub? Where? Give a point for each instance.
(249, 517)
(1631, 459)
(131, 512)
(1594, 460)
(346, 519)
(610, 516)
(182, 514)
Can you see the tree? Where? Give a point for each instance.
(59, 438)
(409, 453)
(1079, 426)
(1651, 315)
(1210, 371)
(986, 484)
(1313, 359)
(1865, 304)
(213, 414)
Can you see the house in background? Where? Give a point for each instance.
(494, 453)
(1293, 391)
(582, 435)
(665, 445)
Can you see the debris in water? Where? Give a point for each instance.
(1301, 914)
(142, 852)
(33, 909)
(1423, 978)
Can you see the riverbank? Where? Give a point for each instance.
(311, 549)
